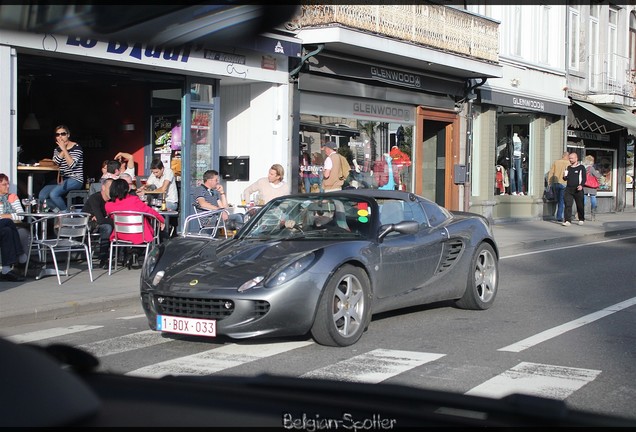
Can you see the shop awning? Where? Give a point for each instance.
(615, 115)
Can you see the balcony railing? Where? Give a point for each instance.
(611, 74)
(439, 27)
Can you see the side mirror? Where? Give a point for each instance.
(404, 227)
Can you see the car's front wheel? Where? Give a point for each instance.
(344, 310)
(483, 279)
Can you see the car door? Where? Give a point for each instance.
(408, 261)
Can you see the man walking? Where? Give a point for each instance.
(575, 177)
(557, 182)
(332, 170)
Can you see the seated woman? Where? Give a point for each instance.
(69, 156)
(121, 199)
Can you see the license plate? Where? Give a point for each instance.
(189, 326)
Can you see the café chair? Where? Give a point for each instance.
(132, 222)
(208, 223)
(71, 236)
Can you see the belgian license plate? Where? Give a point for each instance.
(189, 326)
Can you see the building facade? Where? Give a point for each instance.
(195, 107)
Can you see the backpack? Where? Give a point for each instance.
(345, 169)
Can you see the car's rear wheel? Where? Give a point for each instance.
(483, 279)
(344, 310)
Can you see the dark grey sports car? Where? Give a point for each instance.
(321, 264)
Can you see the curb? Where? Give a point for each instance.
(572, 239)
(58, 311)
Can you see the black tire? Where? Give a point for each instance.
(344, 311)
(483, 280)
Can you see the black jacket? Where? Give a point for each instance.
(576, 176)
(96, 206)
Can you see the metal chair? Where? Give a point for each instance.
(72, 232)
(208, 223)
(132, 222)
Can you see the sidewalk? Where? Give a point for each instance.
(36, 300)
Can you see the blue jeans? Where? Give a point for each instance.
(104, 240)
(313, 180)
(56, 193)
(592, 201)
(516, 179)
(559, 189)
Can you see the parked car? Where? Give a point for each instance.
(321, 264)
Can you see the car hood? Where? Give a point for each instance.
(230, 263)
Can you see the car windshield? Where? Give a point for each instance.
(303, 218)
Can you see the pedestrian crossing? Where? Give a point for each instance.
(375, 366)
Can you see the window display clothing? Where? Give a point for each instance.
(516, 173)
(390, 184)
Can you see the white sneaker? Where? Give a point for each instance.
(514, 193)
(520, 193)
(566, 223)
(580, 222)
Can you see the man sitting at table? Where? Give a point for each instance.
(211, 196)
(12, 248)
(95, 205)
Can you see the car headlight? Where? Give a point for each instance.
(290, 271)
(151, 262)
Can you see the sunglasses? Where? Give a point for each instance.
(61, 133)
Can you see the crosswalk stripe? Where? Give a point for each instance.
(116, 345)
(49, 333)
(374, 367)
(555, 382)
(215, 360)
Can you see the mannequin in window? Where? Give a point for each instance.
(516, 173)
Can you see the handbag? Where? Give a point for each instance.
(548, 194)
(591, 181)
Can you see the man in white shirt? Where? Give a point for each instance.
(162, 178)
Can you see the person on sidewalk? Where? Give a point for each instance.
(121, 199)
(69, 156)
(575, 177)
(163, 180)
(95, 205)
(127, 162)
(270, 187)
(557, 183)
(588, 191)
(210, 195)
(11, 208)
(332, 171)
(12, 250)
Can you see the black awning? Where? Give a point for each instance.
(612, 114)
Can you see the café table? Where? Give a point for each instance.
(30, 170)
(249, 210)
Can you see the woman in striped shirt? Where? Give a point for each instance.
(69, 156)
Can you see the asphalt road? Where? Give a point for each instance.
(562, 327)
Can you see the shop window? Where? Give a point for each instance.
(379, 153)
(512, 155)
(605, 163)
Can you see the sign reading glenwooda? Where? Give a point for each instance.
(397, 77)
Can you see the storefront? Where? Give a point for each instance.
(516, 140)
(141, 99)
(605, 133)
(377, 113)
